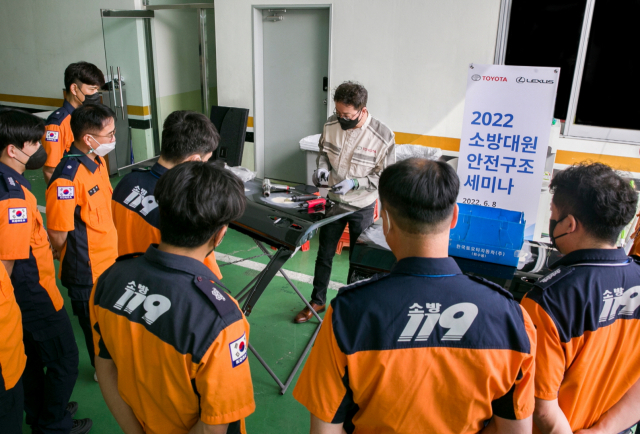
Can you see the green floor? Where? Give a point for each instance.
(273, 335)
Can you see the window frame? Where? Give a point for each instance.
(571, 129)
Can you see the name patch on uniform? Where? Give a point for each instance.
(52, 136)
(94, 190)
(17, 215)
(65, 193)
(238, 350)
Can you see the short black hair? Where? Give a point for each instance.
(18, 127)
(196, 200)
(90, 118)
(351, 93)
(185, 133)
(597, 196)
(420, 194)
(83, 72)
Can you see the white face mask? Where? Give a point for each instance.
(103, 148)
(388, 222)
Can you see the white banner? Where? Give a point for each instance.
(505, 134)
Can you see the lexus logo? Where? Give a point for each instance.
(533, 80)
(475, 77)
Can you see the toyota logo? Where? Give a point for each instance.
(521, 80)
(475, 77)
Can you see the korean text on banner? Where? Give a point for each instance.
(505, 134)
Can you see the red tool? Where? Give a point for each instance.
(314, 204)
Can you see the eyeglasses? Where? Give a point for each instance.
(110, 136)
(346, 118)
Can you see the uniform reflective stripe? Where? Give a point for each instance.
(620, 264)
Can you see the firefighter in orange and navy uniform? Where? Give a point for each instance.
(424, 349)
(12, 358)
(79, 210)
(52, 353)
(171, 344)
(587, 310)
(186, 136)
(82, 81)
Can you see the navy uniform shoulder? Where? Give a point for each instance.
(129, 256)
(142, 178)
(494, 286)
(554, 277)
(360, 283)
(221, 300)
(66, 169)
(57, 116)
(9, 187)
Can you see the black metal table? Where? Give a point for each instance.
(286, 228)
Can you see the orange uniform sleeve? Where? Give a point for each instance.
(321, 387)
(524, 393)
(98, 344)
(15, 229)
(550, 356)
(223, 379)
(54, 140)
(61, 205)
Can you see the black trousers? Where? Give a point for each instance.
(49, 377)
(79, 295)
(11, 407)
(329, 237)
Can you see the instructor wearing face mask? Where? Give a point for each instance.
(354, 149)
(79, 219)
(82, 81)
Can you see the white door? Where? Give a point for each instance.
(296, 67)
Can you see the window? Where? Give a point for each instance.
(593, 42)
(547, 33)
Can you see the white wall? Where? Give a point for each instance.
(411, 55)
(40, 38)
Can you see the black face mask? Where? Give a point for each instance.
(347, 124)
(552, 228)
(36, 160)
(91, 99)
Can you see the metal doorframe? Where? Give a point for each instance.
(258, 73)
(146, 15)
(201, 10)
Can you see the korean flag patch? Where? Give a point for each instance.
(17, 215)
(66, 193)
(238, 351)
(52, 136)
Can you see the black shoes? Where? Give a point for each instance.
(81, 426)
(72, 407)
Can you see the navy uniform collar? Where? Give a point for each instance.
(15, 175)
(82, 157)
(179, 263)
(593, 256)
(159, 170)
(433, 267)
(68, 107)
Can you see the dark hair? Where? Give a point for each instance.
(18, 127)
(351, 93)
(90, 118)
(83, 72)
(196, 200)
(186, 133)
(419, 193)
(597, 196)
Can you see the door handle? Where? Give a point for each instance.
(121, 98)
(113, 90)
(325, 83)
